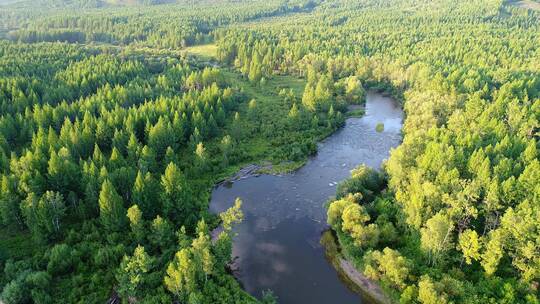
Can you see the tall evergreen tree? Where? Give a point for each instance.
(111, 207)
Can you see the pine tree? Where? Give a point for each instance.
(147, 160)
(236, 129)
(308, 99)
(136, 222)
(10, 212)
(226, 146)
(162, 233)
(201, 157)
(133, 149)
(161, 136)
(176, 195)
(252, 110)
(62, 173)
(111, 207)
(255, 73)
(293, 112)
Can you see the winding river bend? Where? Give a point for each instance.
(277, 246)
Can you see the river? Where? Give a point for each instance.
(277, 246)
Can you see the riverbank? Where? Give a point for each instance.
(285, 167)
(266, 167)
(347, 272)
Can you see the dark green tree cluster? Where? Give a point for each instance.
(107, 156)
(98, 152)
(172, 26)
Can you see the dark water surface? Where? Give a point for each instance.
(277, 246)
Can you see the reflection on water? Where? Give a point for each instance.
(277, 246)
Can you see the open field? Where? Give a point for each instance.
(205, 51)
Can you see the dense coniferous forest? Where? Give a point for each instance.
(118, 117)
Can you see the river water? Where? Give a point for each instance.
(277, 246)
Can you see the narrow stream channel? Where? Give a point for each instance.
(277, 246)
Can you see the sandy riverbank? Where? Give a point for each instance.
(353, 278)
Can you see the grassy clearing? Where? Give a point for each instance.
(270, 91)
(270, 108)
(204, 51)
(287, 82)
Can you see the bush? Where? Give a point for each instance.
(60, 259)
(364, 180)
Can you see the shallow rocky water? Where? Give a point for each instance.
(277, 246)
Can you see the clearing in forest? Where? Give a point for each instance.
(205, 51)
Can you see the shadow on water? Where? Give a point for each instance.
(277, 246)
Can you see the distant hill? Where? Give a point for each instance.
(135, 2)
(83, 3)
(6, 2)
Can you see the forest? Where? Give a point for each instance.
(117, 118)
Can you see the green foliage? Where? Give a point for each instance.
(111, 209)
(364, 180)
(470, 245)
(102, 144)
(176, 197)
(268, 297)
(232, 216)
(430, 292)
(43, 216)
(131, 274)
(99, 112)
(60, 259)
(195, 265)
(162, 233)
(354, 219)
(136, 222)
(388, 265)
(436, 235)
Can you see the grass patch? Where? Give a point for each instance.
(279, 82)
(203, 51)
(270, 90)
(356, 113)
(270, 119)
(284, 167)
(270, 107)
